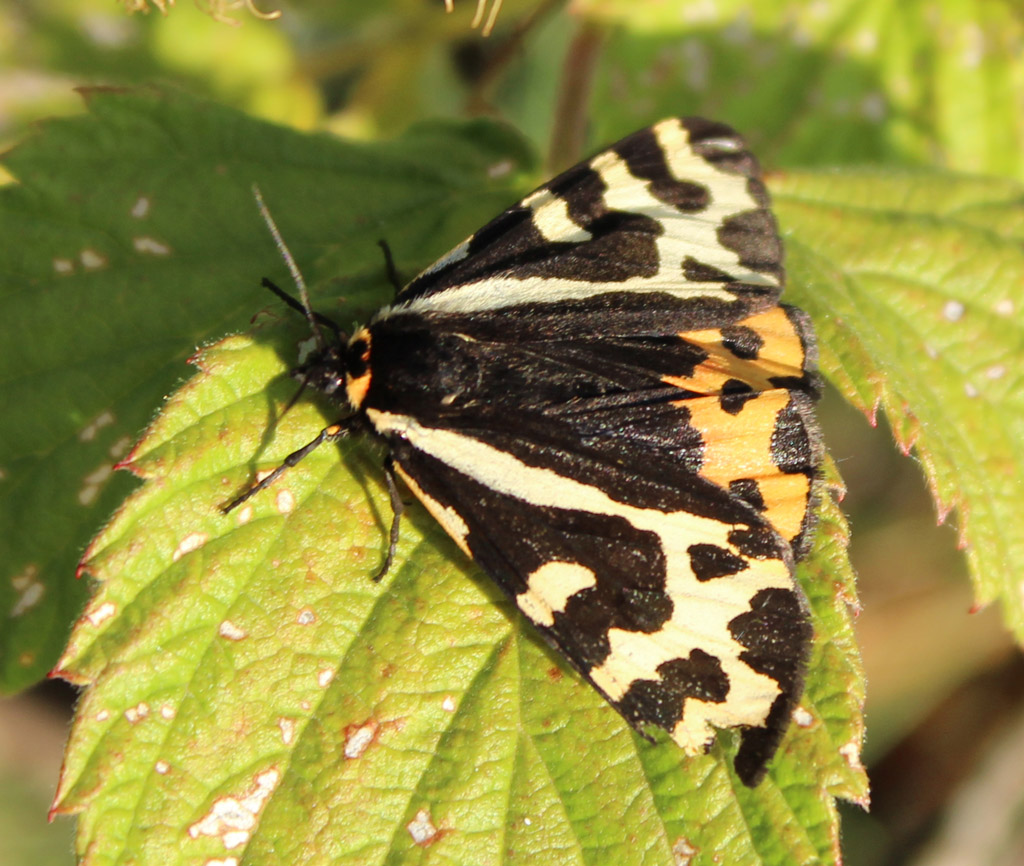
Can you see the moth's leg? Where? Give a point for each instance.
(328, 434)
(389, 266)
(397, 507)
(297, 306)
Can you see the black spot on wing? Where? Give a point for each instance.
(582, 190)
(697, 272)
(710, 561)
(797, 448)
(754, 237)
(791, 448)
(777, 636)
(749, 491)
(721, 146)
(757, 542)
(758, 745)
(735, 395)
(742, 341)
(645, 159)
(660, 702)
(775, 633)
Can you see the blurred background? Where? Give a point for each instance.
(938, 83)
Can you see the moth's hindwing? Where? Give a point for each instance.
(600, 399)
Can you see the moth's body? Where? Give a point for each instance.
(600, 399)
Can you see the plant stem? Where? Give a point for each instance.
(568, 133)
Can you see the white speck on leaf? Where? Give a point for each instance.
(284, 501)
(93, 483)
(448, 704)
(422, 828)
(233, 819)
(120, 447)
(996, 371)
(357, 740)
(970, 390)
(500, 169)
(31, 590)
(287, 727)
(162, 767)
(230, 631)
(683, 852)
(29, 599)
(324, 677)
(137, 713)
(851, 752)
(150, 246)
(89, 431)
(141, 207)
(192, 541)
(101, 614)
(953, 311)
(168, 712)
(802, 718)
(1004, 307)
(91, 260)
(63, 266)
(306, 617)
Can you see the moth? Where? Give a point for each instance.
(600, 398)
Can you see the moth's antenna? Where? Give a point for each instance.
(293, 268)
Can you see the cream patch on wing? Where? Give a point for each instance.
(702, 610)
(550, 587)
(551, 218)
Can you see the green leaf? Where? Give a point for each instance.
(916, 283)
(843, 82)
(250, 659)
(131, 237)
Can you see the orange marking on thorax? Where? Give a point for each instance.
(357, 386)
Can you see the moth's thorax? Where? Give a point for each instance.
(414, 365)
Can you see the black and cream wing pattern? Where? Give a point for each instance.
(600, 398)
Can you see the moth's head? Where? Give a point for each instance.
(323, 369)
